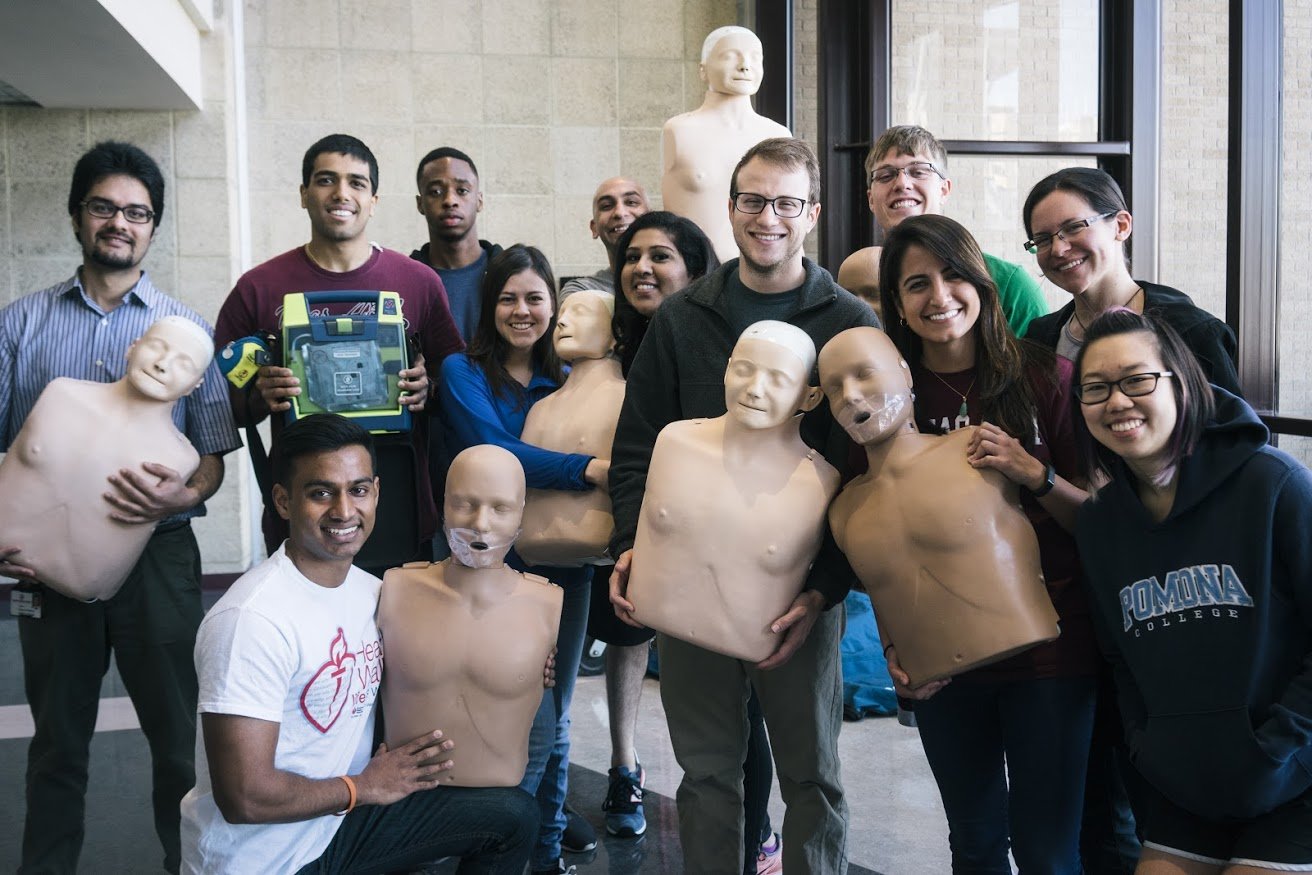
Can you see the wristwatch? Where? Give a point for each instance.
(1049, 481)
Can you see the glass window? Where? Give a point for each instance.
(1294, 350)
(1009, 70)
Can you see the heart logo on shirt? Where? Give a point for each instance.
(326, 693)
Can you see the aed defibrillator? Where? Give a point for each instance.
(347, 349)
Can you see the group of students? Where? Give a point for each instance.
(1167, 526)
(1173, 538)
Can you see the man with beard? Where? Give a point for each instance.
(82, 328)
(450, 200)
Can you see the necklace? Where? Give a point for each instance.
(1084, 329)
(962, 410)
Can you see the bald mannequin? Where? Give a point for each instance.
(467, 638)
(566, 529)
(54, 480)
(734, 509)
(948, 557)
(700, 148)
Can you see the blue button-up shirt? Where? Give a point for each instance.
(62, 332)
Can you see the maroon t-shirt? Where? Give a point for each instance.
(255, 306)
(938, 411)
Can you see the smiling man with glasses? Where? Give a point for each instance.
(906, 174)
(773, 203)
(82, 328)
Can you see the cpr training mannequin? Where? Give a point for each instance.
(467, 638)
(700, 148)
(949, 559)
(734, 511)
(56, 474)
(566, 529)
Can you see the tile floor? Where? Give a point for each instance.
(897, 825)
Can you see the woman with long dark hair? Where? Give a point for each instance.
(1007, 742)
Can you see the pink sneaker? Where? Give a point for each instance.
(770, 858)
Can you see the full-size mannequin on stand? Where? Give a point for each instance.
(565, 529)
(700, 148)
(55, 478)
(734, 509)
(948, 557)
(467, 638)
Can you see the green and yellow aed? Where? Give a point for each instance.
(347, 349)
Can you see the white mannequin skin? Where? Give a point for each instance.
(701, 147)
(65, 529)
(950, 561)
(481, 678)
(734, 510)
(561, 528)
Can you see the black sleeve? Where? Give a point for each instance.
(651, 401)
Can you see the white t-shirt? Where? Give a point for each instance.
(281, 648)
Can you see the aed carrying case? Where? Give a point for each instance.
(347, 349)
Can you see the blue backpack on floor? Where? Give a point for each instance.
(867, 687)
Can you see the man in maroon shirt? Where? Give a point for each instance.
(339, 190)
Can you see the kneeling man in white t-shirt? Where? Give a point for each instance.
(290, 661)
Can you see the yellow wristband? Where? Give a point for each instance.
(350, 788)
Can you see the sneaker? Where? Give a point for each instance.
(770, 857)
(623, 805)
(559, 869)
(579, 836)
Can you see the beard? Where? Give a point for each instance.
(113, 260)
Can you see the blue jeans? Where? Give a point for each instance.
(548, 741)
(1009, 759)
(490, 829)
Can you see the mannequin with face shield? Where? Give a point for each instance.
(467, 638)
(55, 478)
(734, 509)
(948, 557)
(571, 528)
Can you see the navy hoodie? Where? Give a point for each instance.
(1206, 618)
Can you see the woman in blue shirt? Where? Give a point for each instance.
(486, 393)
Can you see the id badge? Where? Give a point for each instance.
(25, 601)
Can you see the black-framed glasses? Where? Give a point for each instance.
(917, 170)
(102, 209)
(1132, 386)
(784, 207)
(1074, 228)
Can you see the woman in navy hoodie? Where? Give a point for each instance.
(1197, 551)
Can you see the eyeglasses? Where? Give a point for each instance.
(784, 207)
(1043, 242)
(102, 209)
(917, 170)
(1132, 386)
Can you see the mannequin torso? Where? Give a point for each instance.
(465, 649)
(573, 528)
(726, 535)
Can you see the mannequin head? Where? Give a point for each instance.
(732, 61)
(765, 384)
(169, 360)
(484, 505)
(868, 384)
(583, 326)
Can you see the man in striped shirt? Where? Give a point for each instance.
(82, 328)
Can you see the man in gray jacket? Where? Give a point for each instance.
(774, 203)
